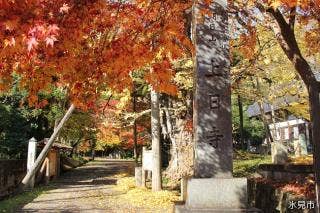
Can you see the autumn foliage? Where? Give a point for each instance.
(252, 14)
(87, 46)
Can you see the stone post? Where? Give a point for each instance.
(183, 190)
(213, 189)
(212, 99)
(32, 151)
(138, 176)
(279, 153)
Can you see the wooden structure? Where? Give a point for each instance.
(282, 124)
(289, 130)
(11, 174)
(50, 168)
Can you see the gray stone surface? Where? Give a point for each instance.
(183, 188)
(138, 176)
(213, 189)
(215, 193)
(285, 172)
(279, 153)
(212, 98)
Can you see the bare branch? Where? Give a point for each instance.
(292, 18)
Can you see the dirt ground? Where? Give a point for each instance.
(86, 189)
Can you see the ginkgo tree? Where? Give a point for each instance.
(281, 17)
(279, 84)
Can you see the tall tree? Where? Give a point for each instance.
(281, 16)
(135, 136)
(82, 45)
(241, 121)
(156, 146)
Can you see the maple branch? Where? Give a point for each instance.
(253, 61)
(135, 116)
(286, 38)
(292, 18)
(105, 106)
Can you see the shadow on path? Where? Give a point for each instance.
(84, 189)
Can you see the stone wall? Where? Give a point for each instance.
(287, 172)
(11, 174)
(271, 199)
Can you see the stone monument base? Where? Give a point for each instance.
(215, 195)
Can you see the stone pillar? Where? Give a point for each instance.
(279, 153)
(32, 152)
(138, 176)
(212, 99)
(213, 189)
(183, 190)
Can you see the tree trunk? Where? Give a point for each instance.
(45, 150)
(263, 114)
(315, 122)
(93, 154)
(285, 35)
(93, 146)
(182, 153)
(155, 135)
(241, 122)
(265, 123)
(174, 153)
(56, 123)
(273, 118)
(135, 139)
(167, 131)
(74, 146)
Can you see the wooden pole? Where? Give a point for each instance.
(26, 180)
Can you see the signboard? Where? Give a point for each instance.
(147, 159)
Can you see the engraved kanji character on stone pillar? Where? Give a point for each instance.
(214, 101)
(214, 137)
(215, 69)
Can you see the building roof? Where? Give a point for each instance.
(254, 109)
(55, 145)
(281, 102)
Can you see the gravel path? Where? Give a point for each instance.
(85, 189)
